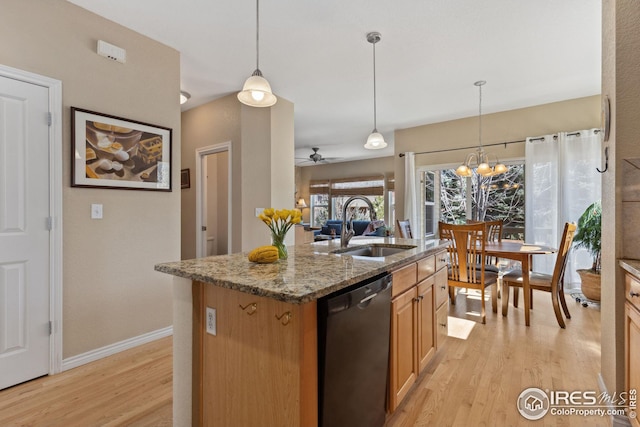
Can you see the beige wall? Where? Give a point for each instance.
(620, 197)
(513, 125)
(380, 165)
(262, 171)
(111, 292)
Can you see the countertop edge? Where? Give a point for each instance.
(296, 298)
(630, 265)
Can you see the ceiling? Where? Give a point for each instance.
(315, 54)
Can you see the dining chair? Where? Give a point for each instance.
(553, 283)
(467, 261)
(493, 234)
(404, 229)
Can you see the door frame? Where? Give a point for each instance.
(55, 206)
(201, 169)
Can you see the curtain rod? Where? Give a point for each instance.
(555, 136)
(466, 148)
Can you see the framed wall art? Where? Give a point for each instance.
(114, 152)
(185, 178)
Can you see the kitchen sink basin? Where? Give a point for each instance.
(374, 250)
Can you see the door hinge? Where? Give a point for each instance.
(50, 327)
(50, 223)
(49, 119)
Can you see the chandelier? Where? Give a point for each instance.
(479, 159)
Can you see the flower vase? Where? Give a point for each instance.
(278, 242)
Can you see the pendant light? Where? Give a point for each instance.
(375, 141)
(480, 159)
(256, 91)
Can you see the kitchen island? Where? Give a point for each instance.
(245, 334)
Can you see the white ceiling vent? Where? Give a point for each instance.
(112, 52)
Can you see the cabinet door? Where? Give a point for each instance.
(632, 351)
(403, 367)
(442, 326)
(260, 368)
(426, 322)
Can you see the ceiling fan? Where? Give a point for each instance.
(316, 157)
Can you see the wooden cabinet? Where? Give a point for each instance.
(415, 335)
(402, 358)
(632, 337)
(425, 307)
(272, 343)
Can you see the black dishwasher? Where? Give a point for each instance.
(353, 354)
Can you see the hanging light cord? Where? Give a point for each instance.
(257, 34)
(480, 117)
(375, 124)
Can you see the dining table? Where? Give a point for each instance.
(523, 252)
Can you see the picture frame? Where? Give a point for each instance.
(117, 153)
(185, 178)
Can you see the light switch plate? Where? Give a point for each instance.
(96, 211)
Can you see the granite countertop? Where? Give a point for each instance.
(310, 272)
(631, 265)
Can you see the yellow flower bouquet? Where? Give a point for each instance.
(279, 222)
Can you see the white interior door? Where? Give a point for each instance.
(24, 232)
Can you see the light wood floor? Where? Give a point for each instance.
(474, 381)
(131, 388)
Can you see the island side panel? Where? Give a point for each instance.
(260, 368)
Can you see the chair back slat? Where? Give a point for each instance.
(466, 246)
(563, 252)
(404, 229)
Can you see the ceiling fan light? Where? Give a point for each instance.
(375, 141)
(256, 92)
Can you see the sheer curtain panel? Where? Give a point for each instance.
(561, 182)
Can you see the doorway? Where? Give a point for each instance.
(30, 226)
(213, 200)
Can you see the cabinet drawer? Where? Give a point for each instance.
(426, 267)
(403, 279)
(632, 286)
(441, 260)
(441, 287)
(442, 325)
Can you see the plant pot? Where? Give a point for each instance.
(590, 284)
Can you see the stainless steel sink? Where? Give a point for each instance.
(376, 250)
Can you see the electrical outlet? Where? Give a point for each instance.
(211, 321)
(259, 211)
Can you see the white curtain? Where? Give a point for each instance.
(561, 182)
(410, 195)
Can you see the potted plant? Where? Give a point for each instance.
(588, 236)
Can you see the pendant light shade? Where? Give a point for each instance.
(375, 141)
(256, 91)
(480, 159)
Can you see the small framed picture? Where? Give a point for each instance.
(185, 179)
(114, 152)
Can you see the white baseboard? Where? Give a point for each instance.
(99, 353)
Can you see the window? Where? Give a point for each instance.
(328, 197)
(478, 198)
(319, 200)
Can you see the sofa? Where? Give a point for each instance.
(359, 228)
